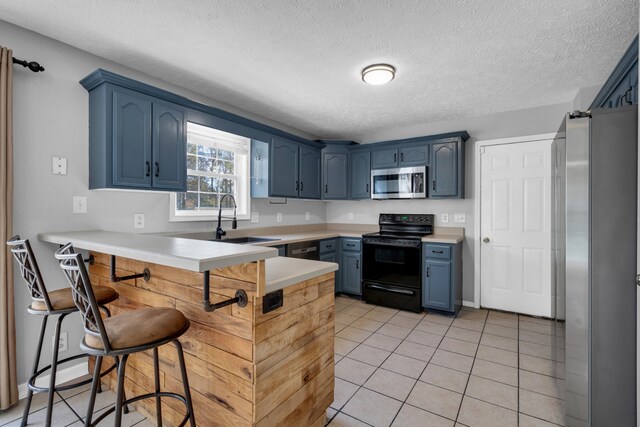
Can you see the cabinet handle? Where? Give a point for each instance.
(326, 188)
(367, 188)
(438, 252)
(358, 264)
(297, 185)
(434, 185)
(157, 169)
(402, 157)
(395, 157)
(301, 185)
(351, 246)
(428, 271)
(148, 172)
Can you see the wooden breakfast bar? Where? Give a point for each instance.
(246, 367)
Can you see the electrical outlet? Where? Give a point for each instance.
(79, 204)
(59, 165)
(255, 217)
(307, 216)
(62, 343)
(459, 218)
(138, 220)
(445, 218)
(279, 217)
(350, 216)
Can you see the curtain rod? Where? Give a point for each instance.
(33, 66)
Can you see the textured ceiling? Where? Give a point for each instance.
(298, 61)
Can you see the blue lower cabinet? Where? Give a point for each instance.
(437, 292)
(331, 257)
(282, 250)
(442, 277)
(351, 272)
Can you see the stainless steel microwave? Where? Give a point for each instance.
(399, 183)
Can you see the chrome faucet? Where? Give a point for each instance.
(234, 223)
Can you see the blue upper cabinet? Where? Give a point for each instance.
(334, 176)
(309, 174)
(360, 174)
(621, 88)
(131, 140)
(400, 156)
(169, 149)
(283, 168)
(135, 141)
(384, 158)
(446, 171)
(294, 170)
(414, 156)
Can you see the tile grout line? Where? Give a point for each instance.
(464, 393)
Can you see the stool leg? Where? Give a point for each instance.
(124, 394)
(94, 390)
(156, 372)
(36, 362)
(54, 369)
(108, 314)
(185, 382)
(120, 392)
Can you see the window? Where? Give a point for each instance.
(217, 164)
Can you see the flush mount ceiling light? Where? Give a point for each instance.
(378, 74)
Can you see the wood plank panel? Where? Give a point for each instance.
(245, 368)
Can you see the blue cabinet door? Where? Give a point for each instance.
(414, 156)
(383, 159)
(351, 277)
(437, 285)
(309, 175)
(169, 148)
(360, 174)
(331, 257)
(334, 173)
(443, 173)
(131, 140)
(283, 168)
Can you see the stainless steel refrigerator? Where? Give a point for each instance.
(595, 224)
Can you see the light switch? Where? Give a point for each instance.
(255, 217)
(59, 165)
(279, 217)
(307, 216)
(79, 204)
(459, 218)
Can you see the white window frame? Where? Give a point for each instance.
(243, 179)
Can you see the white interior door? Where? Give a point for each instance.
(515, 228)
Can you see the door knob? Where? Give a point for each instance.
(486, 240)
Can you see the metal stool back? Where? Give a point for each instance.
(42, 305)
(77, 276)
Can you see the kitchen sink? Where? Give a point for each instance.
(246, 240)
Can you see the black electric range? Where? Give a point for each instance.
(392, 261)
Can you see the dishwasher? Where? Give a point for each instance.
(306, 250)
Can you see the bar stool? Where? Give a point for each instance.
(45, 304)
(122, 335)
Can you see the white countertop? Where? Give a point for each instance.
(282, 272)
(187, 254)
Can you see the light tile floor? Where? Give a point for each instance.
(481, 368)
(397, 368)
(69, 410)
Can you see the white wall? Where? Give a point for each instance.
(501, 125)
(51, 118)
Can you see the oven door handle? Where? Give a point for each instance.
(392, 290)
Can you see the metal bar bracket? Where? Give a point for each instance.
(146, 274)
(241, 297)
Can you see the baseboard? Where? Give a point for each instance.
(62, 376)
(468, 303)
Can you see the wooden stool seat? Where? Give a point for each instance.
(142, 327)
(62, 299)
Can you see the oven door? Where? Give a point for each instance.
(401, 183)
(391, 273)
